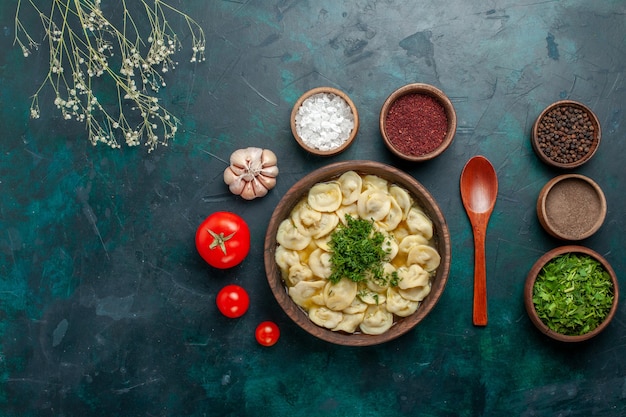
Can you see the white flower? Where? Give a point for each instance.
(86, 52)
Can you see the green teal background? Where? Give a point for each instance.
(107, 310)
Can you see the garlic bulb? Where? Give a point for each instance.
(252, 172)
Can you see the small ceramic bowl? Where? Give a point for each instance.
(530, 284)
(578, 132)
(571, 207)
(407, 128)
(324, 146)
(440, 240)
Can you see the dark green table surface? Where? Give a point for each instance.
(107, 310)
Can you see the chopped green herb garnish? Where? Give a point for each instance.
(357, 252)
(573, 294)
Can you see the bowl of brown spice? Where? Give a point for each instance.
(417, 122)
(571, 207)
(566, 134)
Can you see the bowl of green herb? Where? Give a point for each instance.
(571, 293)
(357, 253)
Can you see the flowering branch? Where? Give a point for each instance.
(83, 44)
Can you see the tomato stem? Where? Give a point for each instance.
(219, 240)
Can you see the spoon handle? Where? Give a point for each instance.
(480, 278)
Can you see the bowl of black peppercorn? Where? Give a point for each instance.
(566, 134)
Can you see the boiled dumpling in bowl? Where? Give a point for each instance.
(340, 295)
(325, 197)
(372, 302)
(377, 320)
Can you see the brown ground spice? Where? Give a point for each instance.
(573, 207)
(416, 124)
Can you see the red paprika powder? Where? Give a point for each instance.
(416, 124)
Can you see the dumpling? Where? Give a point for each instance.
(325, 317)
(412, 276)
(409, 242)
(319, 262)
(299, 272)
(416, 293)
(350, 184)
(372, 297)
(376, 286)
(399, 305)
(326, 225)
(340, 295)
(290, 237)
(374, 181)
(325, 197)
(425, 256)
(418, 222)
(286, 257)
(393, 217)
(357, 306)
(400, 232)
(349, 323)
(380, 285)
(390, 246)
(374, 204)
(377, 320)
(403, 199)
(313, 223)
(303, 291)
(322, 242)
(304, 217)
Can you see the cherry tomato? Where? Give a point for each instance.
(223, 239)
(232, 301)
(267, 333)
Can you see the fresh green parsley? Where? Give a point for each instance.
(573, 294)
(358, 253)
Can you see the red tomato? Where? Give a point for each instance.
(223, 239)
(232, 301)
(267, 333)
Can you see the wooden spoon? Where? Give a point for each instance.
(479, 188)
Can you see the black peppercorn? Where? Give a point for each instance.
(565, 134)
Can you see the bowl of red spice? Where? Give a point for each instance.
(417, 122)
(571, 293)
(566, 134)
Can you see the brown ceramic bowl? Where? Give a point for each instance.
(571, 207)
(530, 282)
(539, 137)
(422, 90)
(421, 196)
(303, 143)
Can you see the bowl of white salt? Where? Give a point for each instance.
(324, 121)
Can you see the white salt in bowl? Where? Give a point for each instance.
(324, 121)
